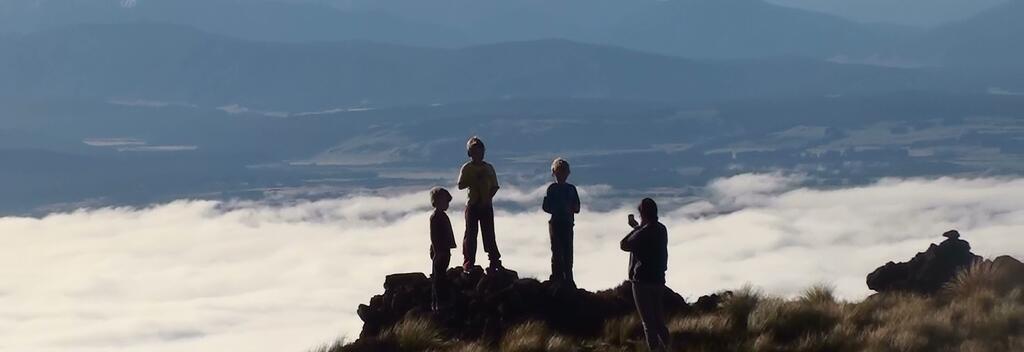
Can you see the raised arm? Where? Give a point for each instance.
(632, 241)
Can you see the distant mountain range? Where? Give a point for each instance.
(179, 64)
(689, 28)
(246, 19)
(993, 40)
(919, 13)
(700, 29)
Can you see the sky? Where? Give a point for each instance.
(206, 276)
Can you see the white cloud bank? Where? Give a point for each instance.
(208, 276)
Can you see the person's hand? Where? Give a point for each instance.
(632, 221)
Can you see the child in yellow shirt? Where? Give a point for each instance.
(479, 177)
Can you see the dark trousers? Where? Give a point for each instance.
(439, 276)
(561, 250)
(479, 217)
(650, 302)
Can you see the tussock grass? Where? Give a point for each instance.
(981, 310)
(535, 337)
(819, 294)
(471, 347)
(330, 347)
(415, 334)
(789, 322)
(623, 330)
(978, 277)
(740, 304)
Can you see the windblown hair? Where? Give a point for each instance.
(558, 164)
(439, 193)
(474, 142)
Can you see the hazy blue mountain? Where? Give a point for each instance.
(990, 40)
(702, 29)
(177, 64)
(691, 28)
(921, 13)
(742, 28)
(248, 19)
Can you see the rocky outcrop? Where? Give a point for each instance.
(483, 305)
(928, 271)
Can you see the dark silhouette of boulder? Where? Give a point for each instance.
(486, 304)
(1009, 267)
(396, 281)
(1009, 272)
(928, 271)
(710, 303)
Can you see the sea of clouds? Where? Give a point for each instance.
(230, 276)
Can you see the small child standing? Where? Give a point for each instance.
(562, 202)
(442, 240)
(482, 181)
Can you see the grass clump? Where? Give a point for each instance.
(789, 321)
(415, 334)
(980, 276)
(335, 346)
(471, 347)
(536, 337)
(623, 330)
(528, 337)
(819, 294)
(738, 306)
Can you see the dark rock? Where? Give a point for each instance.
(712, 302)
(485, 304)
(928, 271)
(395, 281)
(402, 292)
(1009, 270)
(1009, 266)
(952, 234)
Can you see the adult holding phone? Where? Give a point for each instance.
(647, 245)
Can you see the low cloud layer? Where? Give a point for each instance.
(207, 276)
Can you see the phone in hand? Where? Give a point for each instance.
(632, 221)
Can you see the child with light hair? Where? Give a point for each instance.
(562, 201)
(442, 240)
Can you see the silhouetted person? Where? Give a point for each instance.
(562, 202)
(481, 180)
(442, 240)
(647, 245)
